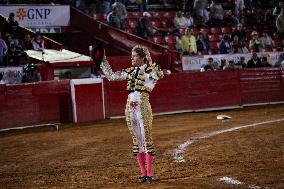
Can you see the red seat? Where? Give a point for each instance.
(155, 23)
(194, 30)
(276, 43)
(226, 30)
(137, 14)
(164, 23)
(169, 15)
(220, 37)
(158, 39)
(267, 50)
(213, 37)
(129, 30)
(171, 39)
(157, 14)
(214, 47)
(100, 16)
(131, 23)
(275, 35)
(130, 15)
(205, 30)
(215, 30)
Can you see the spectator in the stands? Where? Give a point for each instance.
(254, 43)
(11, 27)
(229, 66)
(280, 60)
(144, 27)
(1, 79)
(239, 7)
(31, 73)
(269, 18)
(189, 19)
(27, 42)
(180, 21)
(3, 49)
(200, 7)
(12, 57)
(277, 9)
(253, 17)
(265, 63)
(243, 47)
(38, 42)
(266, 40)
(254, 62)
(241, 63)
(9, 40)
(188, 43)
(199, 21)
(216, 14)
(121, 11)
(202, 44)
(231, 20)
(113, 18)
(240, 32)
(106, 6)
(225, 46)
(235, 44)
(280, 24)
(178, 44)
(209, 66)
(143, 5)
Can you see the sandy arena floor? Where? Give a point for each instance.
(195, 150)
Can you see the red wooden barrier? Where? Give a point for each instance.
(181, 92)
(261, 86)
(35, 103)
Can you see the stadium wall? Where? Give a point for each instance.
(96, 99)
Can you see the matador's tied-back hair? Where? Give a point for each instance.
(140, 50)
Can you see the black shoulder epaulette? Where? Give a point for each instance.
(148, 69)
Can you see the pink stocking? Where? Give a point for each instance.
(149, 160)
(141, 162)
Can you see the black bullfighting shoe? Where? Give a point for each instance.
(149, 179)
(142, 179)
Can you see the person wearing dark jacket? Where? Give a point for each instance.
(254, 62)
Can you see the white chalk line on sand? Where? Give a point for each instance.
(232, 181)
(178, 157)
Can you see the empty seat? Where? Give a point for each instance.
(213, 37)
(205, 30)
(164, 23)
(157, 14)
(214, 47)
(131, 23)
(226, 30)
(155, 23)
(158, 39)
(215, 30)
(129, 30)
(137, 14)
(276, 43)
(170, 39)
(194, 30)
(275, 35)
(100, 16)
(169, 15)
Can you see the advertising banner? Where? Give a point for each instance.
(12, 75)
(196, 62)
(38, 16)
